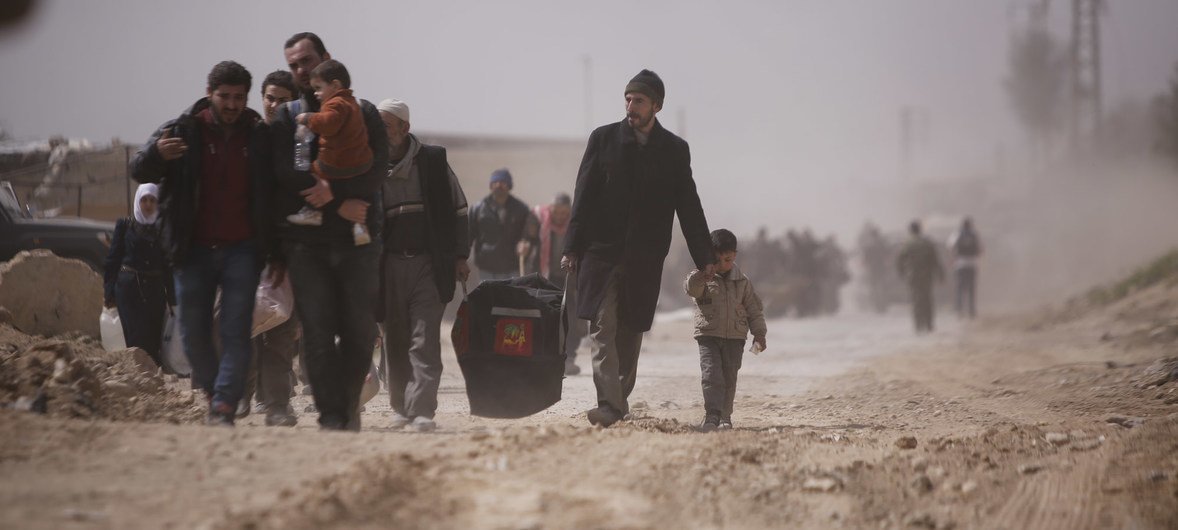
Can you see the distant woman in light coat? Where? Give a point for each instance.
(138, 279)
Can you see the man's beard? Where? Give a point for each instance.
(636, 120)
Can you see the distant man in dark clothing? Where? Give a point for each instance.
(634, 178)
(502, 229)
(426, 247)
(213, 165)
(920, 265)
(966, 246)
(335, 282)
(804, 251)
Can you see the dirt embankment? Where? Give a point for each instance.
(1057, 421)
(70, 375)
(73, 377)
(1075, 445)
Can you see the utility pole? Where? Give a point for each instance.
(1085, 58)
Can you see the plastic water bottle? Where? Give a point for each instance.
(360, 235)
(302, 150)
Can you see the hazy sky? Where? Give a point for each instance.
(777, 93)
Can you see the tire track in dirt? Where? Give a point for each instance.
(1055, 499)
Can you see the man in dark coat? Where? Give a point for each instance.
(502, 229)
(635, 176)
(213, 166)
(335, 282)
(920, 265)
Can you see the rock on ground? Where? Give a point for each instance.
(48, 295)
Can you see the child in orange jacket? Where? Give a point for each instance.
(343, 137)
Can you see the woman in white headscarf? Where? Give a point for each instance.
(138, 278)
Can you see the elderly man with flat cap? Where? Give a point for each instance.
(426, 246)
(634, 178)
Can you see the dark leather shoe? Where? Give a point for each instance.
(603, 416)
(281, 418)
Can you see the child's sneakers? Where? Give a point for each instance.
(724, 425)
(710, 424)
(306, 217)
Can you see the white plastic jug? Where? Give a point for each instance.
(111, 330)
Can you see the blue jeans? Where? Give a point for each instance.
(234, 268)
(336, 289)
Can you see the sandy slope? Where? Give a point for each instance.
(1010, 425)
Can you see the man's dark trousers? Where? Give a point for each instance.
(335, 288)
(922, 306)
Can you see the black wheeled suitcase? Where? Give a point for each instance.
(508, 340)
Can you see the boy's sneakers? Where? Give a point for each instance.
(724, 425)
(400, 421)
(220, 414)
(306, 217)
(423, 424)
(710, 424)
(604, 416)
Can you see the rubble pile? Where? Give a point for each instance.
(76, 378)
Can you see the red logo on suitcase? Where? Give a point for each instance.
(513, 336)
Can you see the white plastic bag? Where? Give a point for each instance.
(272, 305)
(172, 350)
(110, 328)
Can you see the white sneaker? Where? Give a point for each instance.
(423, 424)
(306, 217)
(400, 421)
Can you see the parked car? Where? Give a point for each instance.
(69, 237)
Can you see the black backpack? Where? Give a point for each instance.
(967, 244)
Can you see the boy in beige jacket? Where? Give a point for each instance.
(726, 309)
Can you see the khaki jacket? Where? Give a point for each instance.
(727, 308)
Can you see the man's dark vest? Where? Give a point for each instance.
(441, 216)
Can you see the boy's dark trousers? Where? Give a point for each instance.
(719, 360)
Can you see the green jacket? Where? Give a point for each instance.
(727, 308)
(919, 264)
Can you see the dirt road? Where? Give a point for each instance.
(848, 422)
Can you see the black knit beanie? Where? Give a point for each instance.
(649, 83)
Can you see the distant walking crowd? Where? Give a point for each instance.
(372, 230)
